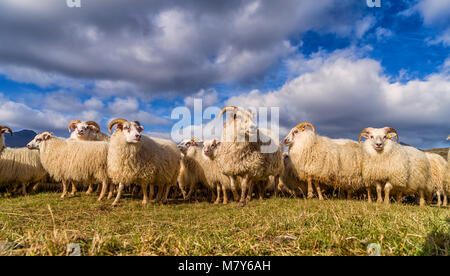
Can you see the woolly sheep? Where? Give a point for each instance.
(240, 152)
(446, 180)
(314, 157)
(140, 159)
(387, 163)
(87, 131)
(191, 172)
(72, 161)
(294, 183)
(213, 173)
(19, 165)
(437, 173)
(350, 161)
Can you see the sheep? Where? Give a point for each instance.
(385, 162)
(191, 172)
(140, 159)
(446, 184)
(350, 172)
(213, 173)
(437, 169)
(240, 153)
(314, 157)
(294, 183)
(72, 161)
(86, 131)
(19, 165)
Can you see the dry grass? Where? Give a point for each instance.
(44, 224)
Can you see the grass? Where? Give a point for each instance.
(44, 224)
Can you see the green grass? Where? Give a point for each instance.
(44, 224)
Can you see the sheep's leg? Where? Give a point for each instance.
(310, 188)
(191, 190)
(251, 185)
(444, 203)
(387, 189)
(151, 192)
(422, 198)
(233, 188)
(134, 191)
(438, 194)
(218, 194)
(111, 191)
(225, 195)
(99, 189)
(35, 187)
(89, 190)
(64, 192)
(261, 191)
(103, 192)
(244, 186)
(319, 192)
(399, 197)
(369, 198)
(349, 195)
(24, 189)
(167, 188)
(159, 195)
(119, 194)
(145, 194)
(379, 196)
(74, 189)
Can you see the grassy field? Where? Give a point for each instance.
(44, 224)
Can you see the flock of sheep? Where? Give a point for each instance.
(238, 162)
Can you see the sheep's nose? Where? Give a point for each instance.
(379, 145)
(138, 136)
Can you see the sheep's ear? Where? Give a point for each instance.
(47, 136)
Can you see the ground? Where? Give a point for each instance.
(44, 224)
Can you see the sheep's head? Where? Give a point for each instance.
(184, 145)
(239, 125)
(37, 141)
(83, 129)
(210, 146)
(378, 137)
(131, 130)
(296, 132)
(4, 129)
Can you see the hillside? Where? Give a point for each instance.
(441, 151)
(19, 139)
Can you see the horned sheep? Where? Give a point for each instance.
(140, 159)
(19, 165)
(241, 154)
(385, 162)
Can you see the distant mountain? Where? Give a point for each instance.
(19, 139)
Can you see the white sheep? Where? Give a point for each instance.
(191, 172)
(314, 157)
(87, 131)
(446, 181)
(397, 167)
(350, 171)
(140, 159)
(240, 154)
(72, 161)
(19, 165)
(437, 169)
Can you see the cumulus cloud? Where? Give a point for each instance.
(145, 47)
(343, 95)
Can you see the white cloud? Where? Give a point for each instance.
(342, 95)
(208, 97)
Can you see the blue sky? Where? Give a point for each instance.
(338, 64)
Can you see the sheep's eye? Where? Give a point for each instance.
(38, 140)
(371, 137)
(295, 131)
(384, 137)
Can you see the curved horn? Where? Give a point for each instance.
(306, 124)
(92, 123)
(448, 138)
(366, 130)
(228, 108)
(137, 122)
(9, 130)
(389, 130)
(115, 122)
(74, 122)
